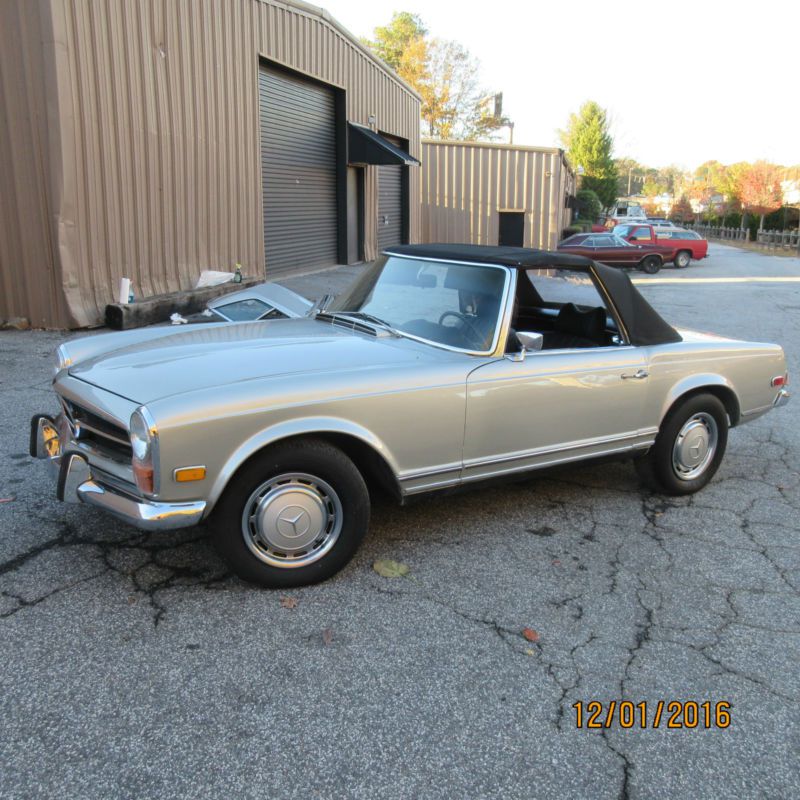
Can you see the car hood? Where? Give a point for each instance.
(223, 354)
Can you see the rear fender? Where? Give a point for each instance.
(693, 383)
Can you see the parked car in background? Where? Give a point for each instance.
(660, 222)
(608, 248)
(443, 365)
(626, 210)
(688, 244)
(684, 240)
(262, 301)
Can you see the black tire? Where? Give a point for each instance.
(650, 264)
(682, 259)
(661, 469)
(306, 475)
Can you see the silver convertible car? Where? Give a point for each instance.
(443, 365)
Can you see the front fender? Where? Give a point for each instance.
(284, 430)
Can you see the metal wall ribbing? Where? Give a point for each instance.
(142, 156)
(465, 184)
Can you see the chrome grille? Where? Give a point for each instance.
(88, 427)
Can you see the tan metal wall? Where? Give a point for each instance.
(465, 184)
(153, 165)
(29, 282)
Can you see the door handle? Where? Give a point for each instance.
(639, 375)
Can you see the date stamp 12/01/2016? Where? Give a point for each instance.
(675, 714)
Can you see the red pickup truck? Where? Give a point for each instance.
(687, 244)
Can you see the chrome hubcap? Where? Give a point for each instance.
(695, 446)
(292, 520)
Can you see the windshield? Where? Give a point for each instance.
(449, 304)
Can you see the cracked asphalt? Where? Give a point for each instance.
(134, 665)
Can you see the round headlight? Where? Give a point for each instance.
(61, 359)
(143, 438)
(140, 437)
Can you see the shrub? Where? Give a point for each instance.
(588, 204)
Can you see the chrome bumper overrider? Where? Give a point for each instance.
(782, 398)
(77, 484)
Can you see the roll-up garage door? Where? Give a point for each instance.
(298, 169)
(390, 207)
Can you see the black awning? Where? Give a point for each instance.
(367, 147)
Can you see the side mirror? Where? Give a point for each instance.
(531, 342)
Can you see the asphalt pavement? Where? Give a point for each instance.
(134, 665)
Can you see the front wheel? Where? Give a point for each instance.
(689, 447)
(650, 265)
(683, 259)
(293, 515)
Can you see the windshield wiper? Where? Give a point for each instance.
(362, 315)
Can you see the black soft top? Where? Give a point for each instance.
(642, 322)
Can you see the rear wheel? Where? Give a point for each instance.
(294, 515)
(650, 265)
(689, 447)
(682, 259)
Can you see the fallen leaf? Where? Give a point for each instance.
(530, 634)
(7, 499)
(390, 569)
(288, 602)
(131, 599)
(327, 635)
(530, 652)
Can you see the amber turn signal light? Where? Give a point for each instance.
(186, 474)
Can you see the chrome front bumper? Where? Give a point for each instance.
(77, 484)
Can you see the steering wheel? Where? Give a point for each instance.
(479, 339)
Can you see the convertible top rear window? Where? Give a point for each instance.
(555, 285)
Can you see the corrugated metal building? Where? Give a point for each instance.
(156, 139)
(485, 193)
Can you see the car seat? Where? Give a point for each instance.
(574, 327)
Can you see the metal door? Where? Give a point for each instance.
(391, 215)
(552, 407)
(298, 169)
(511, 228)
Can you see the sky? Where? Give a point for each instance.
(683, 82)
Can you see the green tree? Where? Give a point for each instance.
(629, 176)
(652, 187)
(391, 42)
(588, 144)
(670, 177)
(712, 174)
(444, 74)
